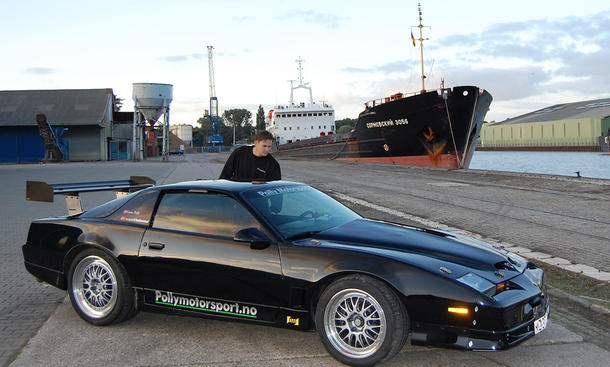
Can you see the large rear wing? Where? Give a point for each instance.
(42, 191)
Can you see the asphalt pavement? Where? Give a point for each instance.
(553, 218)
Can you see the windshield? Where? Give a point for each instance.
(299, 210)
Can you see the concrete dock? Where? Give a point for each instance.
(566, 218)
(559, 220)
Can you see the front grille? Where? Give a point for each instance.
(516, 315)
(526, 311)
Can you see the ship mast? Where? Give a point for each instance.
(421, 48)
(302, 84)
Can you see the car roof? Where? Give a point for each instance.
(226, 185)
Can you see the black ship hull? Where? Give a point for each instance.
(436, 128)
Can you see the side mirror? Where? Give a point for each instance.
(257, 239)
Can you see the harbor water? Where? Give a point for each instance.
(589, 164)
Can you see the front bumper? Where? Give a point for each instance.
(477, 339)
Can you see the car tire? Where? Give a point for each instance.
(99, 288)
(361, 321)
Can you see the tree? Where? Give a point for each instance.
(344, 129)
(345, 125)
(204, 123)
(227, 133)
(198, 137)
(203, 131)
(241, 120)
(117, 103)
(260, 119)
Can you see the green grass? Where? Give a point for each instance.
(593, 290)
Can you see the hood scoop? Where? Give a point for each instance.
(506, 265)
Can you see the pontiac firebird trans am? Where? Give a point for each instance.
(283, 254)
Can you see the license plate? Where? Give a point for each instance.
(540, 324)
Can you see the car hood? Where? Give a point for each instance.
(445, 246)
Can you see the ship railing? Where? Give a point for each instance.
(303, 105)
(396, 96)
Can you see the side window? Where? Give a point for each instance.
(204, 213)
(138, 209)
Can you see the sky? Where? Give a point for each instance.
(527, 54)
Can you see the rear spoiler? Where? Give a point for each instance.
(42, 191)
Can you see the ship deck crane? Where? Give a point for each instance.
(215, 140)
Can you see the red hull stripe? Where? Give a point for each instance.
(442, 160)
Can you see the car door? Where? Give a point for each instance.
(188, 257)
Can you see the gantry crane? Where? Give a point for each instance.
(214, 140)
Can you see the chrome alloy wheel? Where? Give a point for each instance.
(355, 323)
(94, 287)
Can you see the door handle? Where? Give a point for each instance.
(156, 246)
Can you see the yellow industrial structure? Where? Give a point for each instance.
(571, 126)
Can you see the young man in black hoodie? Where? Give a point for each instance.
(253, 163)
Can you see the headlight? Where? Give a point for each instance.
(479, 283)
(535, 275)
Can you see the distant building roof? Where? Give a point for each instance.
(62, 107)
(599, 108)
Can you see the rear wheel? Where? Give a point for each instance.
(99, 288)
(361, 321)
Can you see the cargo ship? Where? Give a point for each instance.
(425, 128)
(302, 121)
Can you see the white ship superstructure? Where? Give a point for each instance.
(300, 121)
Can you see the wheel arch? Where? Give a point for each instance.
(325, 282)
(103, 296)
(75, 251)
(342, 323)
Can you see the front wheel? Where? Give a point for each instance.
(99, 288)
(361, 321)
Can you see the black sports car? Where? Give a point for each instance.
(283, 254)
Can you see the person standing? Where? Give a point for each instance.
(253, 163)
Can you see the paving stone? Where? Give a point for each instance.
(25, 303)
(560, 217)
(519, 250)
(580, 268)
(538, 255)
(601, 275)
(556, 261)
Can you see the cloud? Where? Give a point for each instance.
(587, 72)
(310, 16)
(182, 58)
(243, 19)
(503, 84)
(516, 60)
(190, 105)
(399, 66)
(39, 70)
(351, 69)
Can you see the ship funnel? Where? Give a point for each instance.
(152, 99)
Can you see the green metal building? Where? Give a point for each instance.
(569, 126)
